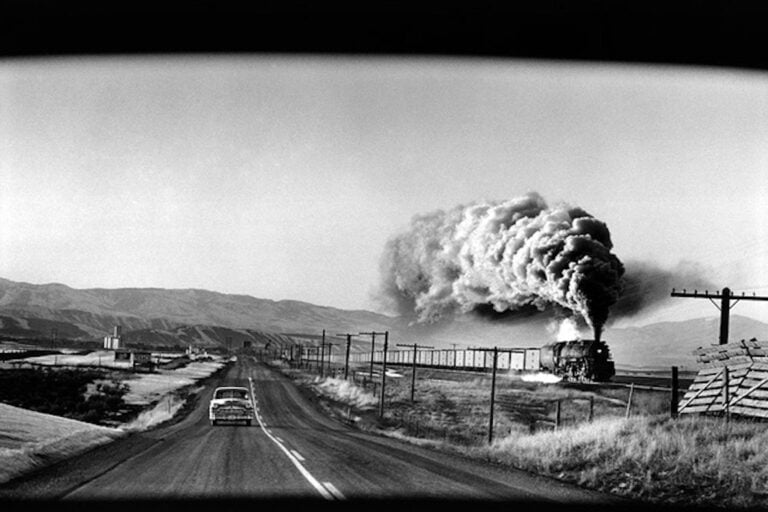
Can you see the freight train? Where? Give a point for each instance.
(575, 360)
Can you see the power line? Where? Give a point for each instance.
(724, 307)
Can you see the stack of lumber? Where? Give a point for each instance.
(747, 379)
(716, 356)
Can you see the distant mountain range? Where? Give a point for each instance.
(161, 317)
(157, 316)
(672, 343)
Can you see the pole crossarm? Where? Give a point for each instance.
(726, 298)
(717, 295)
(412, 345)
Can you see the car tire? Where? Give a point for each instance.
(214, 423)
(248, 423)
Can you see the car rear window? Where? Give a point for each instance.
(232, 393)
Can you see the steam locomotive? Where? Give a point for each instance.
(575, 360)
(579, 360)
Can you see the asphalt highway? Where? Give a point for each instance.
(294, 450)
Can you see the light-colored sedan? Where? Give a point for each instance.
(231, 404)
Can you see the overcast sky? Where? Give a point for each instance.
(283, 177)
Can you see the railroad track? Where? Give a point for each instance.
(654, 382)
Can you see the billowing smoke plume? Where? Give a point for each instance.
(508, 256)
(646, 285)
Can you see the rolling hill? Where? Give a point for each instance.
(160, 317)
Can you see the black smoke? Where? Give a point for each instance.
(503, 258)
(645, 285)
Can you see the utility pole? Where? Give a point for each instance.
(229, 345)
(330, 354)
(493, 394)
(54, 332)
(373, 345)
(724, 307)
(495, 351)
(413, 371)
(322, 353)
(383, 373)
(346, 358)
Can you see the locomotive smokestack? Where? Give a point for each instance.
(598, 332)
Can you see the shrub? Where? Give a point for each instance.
(63, 392)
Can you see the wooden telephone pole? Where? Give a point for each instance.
(322, 353)
(373, 346)
(383, 373)
(724, 307)
(346, 358)
(413, 372)
(495, 351)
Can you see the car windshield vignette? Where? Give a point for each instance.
(490, 278)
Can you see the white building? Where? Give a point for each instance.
(115, 340)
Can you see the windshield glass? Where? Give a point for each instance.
(232, 393)
(383, 249)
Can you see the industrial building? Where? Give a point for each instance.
(115, 340)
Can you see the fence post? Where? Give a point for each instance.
(629, 400)
(591, 408)
(673, 403)
(557, 414)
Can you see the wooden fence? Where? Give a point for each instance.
(732, 380)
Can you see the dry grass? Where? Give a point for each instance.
(697, 461)
(458, 409)
(693, 461)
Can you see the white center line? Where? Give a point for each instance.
(298, 455)
(325, 493)
(333, 490)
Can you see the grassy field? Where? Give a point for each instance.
(648, 456)
(691, 460)
(455, 406)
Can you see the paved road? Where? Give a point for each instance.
(293, 451)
